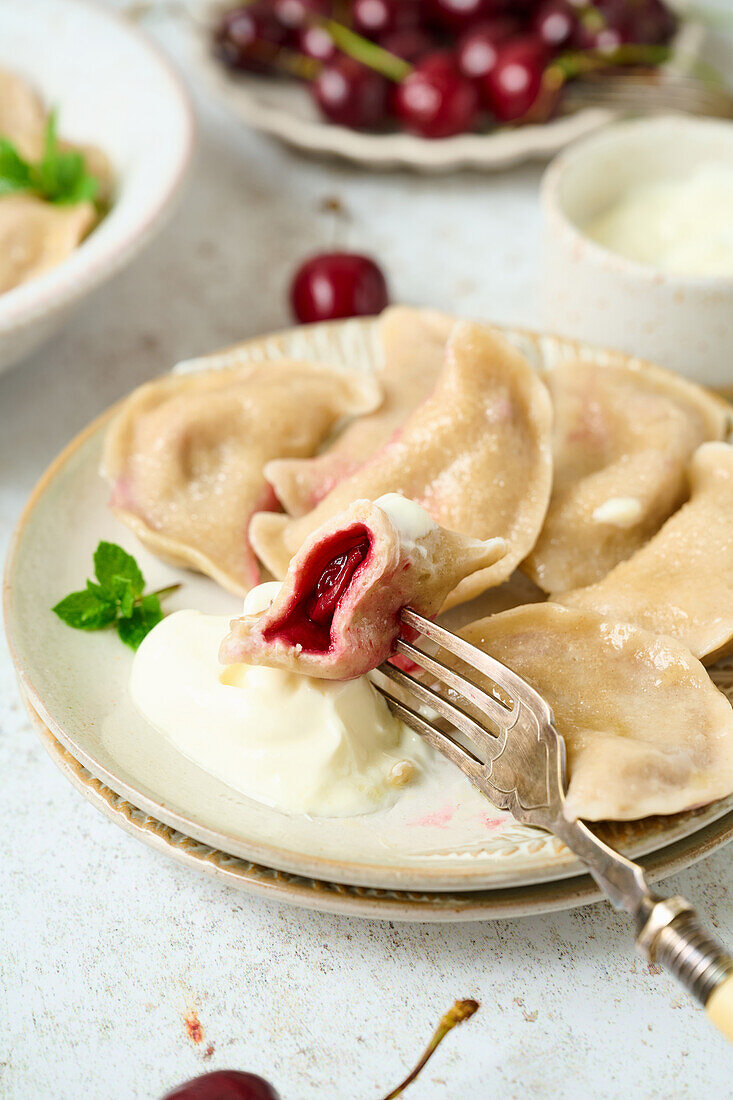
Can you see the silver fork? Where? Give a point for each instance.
(521, 768)
(648, 93)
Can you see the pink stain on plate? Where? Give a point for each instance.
(491, 822)
(440, 819)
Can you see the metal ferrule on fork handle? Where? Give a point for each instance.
(669, 933)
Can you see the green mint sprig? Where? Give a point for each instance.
(60, 176)
(117, 597)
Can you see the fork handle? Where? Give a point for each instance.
(670, 933)
(668, 929)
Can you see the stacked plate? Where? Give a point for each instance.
(440, 853)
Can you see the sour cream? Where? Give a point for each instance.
(292, 742)
(683, 226)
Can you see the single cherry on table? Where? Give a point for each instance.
(224, 1084)
(335, 285)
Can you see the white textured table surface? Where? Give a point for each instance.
(106, 947)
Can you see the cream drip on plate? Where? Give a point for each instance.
(293, 742)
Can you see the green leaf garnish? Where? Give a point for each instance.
(117, 596)
(113, 566)
(143, 618)
(86, 611)
(60, 176)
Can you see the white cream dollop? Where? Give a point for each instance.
(409, 519)
(299, 744)
(682, 226)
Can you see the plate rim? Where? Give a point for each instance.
(321, 895)
(379, 876)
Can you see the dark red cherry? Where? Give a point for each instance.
(651, 22)
(457, 16)
(514, 84)
(334, 285)
(249, 38)
(435, 100)
(410, 44)
(316, 42)
(224, 1084)
(296, 13)
(554, 22)
(605, 26)
(373, 18)
(350, 94)
(477, 49)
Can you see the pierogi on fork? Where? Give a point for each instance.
(338, 612)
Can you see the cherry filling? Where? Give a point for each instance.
(324, 582)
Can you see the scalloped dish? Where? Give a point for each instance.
(540, 496)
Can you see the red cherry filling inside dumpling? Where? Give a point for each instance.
(338, 613)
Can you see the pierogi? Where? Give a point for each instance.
(476, 455)
(413, 352)
(185, 455)
(681, 582)
(646, 730)
(623, 439)
(337, 614)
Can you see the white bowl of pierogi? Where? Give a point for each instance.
(113, 94)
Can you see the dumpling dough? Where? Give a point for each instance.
(680, 583)
(37, 235)
(337, 614)
(185, 455)
(623, 438)
(22, 115)
(476, 454)
(413, 352)
(646, 730)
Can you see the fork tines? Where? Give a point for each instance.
(501, 718)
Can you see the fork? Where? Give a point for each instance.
(521, 768)
(650, 93)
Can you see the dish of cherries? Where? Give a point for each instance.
(439, 68)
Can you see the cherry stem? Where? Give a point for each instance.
(461, 1010)
(169, 589)
(368, 53)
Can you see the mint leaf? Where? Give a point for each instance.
(60, 176)
(115, 597)
(117, 572)
(85, 610)
(14, 171)
(144, 617)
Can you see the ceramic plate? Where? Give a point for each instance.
(284, 110)
(440, 835)
(361, 901)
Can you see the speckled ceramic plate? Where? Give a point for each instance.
(364, 901)
(285, 110)
(440, 835)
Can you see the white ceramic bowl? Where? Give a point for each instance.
(112, 89)
(592, 294)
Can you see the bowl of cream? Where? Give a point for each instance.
(638, 243)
